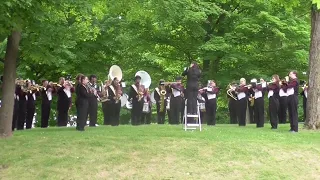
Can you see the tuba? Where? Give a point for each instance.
(115, 72)
(145, 82)
(163, 93)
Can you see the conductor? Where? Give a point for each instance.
(193, 74)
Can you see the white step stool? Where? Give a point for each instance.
(191, 126)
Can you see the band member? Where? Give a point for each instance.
(146, 112)
(64, 101)
(283, 101)
(83, 96)
(211, 102)
(160, 95)
(304, 95)
(31, 104)
(293, 87)
(135, 96)
(193, 74)
(201, 101)
(258, 103)
(46, 95)
(22, 93)
(273, 96)
(183, 103)
(242, 102)
(168, 97)
(115, 93)
(78, 84)
(176, 101)
(16, 108)
(251, 101)
(107, 104)
(232, 104)
(93, 102)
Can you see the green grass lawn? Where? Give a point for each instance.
(161, 152)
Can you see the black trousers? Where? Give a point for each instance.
(251, 112)
(30, 113)
(63, 116)
(146, 118)
(233, 111)
(169, 115)
(136, 112)
(183, 106)
(283, 107)
(175, 109)
(45, 114)
(273, 111)
(93, 111)
(15, 114)
(115, 113)
(241, 111)
(82, 114)
(22, 114)
(293, 112)
(259, 111)
(106, 108)
(304, 103)
(211, 109)
(192, 94)
(161, 116)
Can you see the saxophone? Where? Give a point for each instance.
(162, 97)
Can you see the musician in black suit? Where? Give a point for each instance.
(107, 104)
(232, 105)
(161, 113)
(283, 102)
(304, 94)
(293, 88)
(242, 102)
(16, 108)
(22, 95)
(64, 101)
(31, 105)
(114, 92)
(147, 105)
(210, 93)
(93, 102)
(250, 99)
(176, 101)
(46, 95)
(257, 90)
(193, 74)
(83, 96)
(136, 97)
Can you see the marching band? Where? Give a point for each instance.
(169, 98)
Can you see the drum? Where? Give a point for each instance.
(202, 107)
(145, 108)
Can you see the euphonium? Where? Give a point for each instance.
(162, 97)
(104, 97)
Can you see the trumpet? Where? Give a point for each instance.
(93, 90)
(55, 84)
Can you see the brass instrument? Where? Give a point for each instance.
(251, 99)
(104, 97)
(163, 93)
(140, 96)
(229, 92)
(93, 90)
(118, 95)
(55, 84)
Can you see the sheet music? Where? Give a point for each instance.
(290, 91)
(241, 95)
(270, 93)
(211, 96)
(176, 93)
(282, 93)
(257, 94)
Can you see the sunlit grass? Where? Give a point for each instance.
(161, 152)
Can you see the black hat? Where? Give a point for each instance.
(161, 82)
(178, 78)
(137, 77)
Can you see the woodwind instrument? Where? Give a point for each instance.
(163, 93)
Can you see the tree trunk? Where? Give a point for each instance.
(8, 87)
(313, 108)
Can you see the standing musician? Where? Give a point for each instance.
(64, 101)
(242, 102)
(210, 94)
(304, 94)
(201, 101)
(83, 96)
(293, 88)
(93, 101)
(273, 96)
(78, 84)
(232, 104)
(46, 95)
(176, 101)
(251, 102)
(283, 101)
(257, 90)
(16, 107)
(193, 74)
(31, 104)
(146, 112)
(115, 93)
(106, 103)
(160, 95)
(136, 97)
(22, 95)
